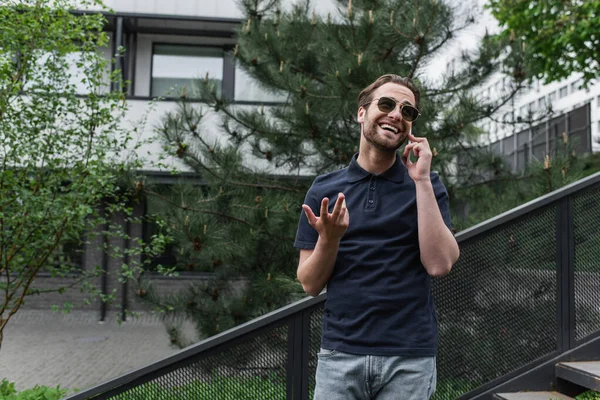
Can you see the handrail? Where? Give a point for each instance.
(207, 344)
(527, 207)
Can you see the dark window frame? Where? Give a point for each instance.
(228, 81)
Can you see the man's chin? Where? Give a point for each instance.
(386, 146)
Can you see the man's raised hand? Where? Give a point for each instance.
(419, 170)
(332, 226)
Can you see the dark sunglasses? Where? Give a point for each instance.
(387, 105)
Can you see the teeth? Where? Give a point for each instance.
(390, 127)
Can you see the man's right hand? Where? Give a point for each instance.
(331, 227)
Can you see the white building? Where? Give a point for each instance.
(561, 97)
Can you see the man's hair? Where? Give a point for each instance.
(365, 97)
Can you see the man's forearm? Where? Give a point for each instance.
(315, 271)
(437, 245)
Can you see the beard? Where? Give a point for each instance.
(380, 142)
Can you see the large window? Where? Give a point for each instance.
(175, 67)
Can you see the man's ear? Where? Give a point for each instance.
(361, 115)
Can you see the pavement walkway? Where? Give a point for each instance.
(76, 351)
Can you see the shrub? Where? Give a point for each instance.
(8, 392)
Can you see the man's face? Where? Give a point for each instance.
(386, 132)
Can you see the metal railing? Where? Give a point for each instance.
(525, 290)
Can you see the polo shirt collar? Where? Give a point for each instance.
(394, 174)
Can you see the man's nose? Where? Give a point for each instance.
(396, 113)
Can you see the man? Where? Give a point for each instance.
(382, 231)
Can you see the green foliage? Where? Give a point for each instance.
(450, 389)
(63, 153)
(225, 388)
(588, 396)
(559, 37)
(8, 392)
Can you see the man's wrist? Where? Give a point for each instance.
(423, 181)
(327, 241)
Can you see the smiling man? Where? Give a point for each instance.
(375, 233)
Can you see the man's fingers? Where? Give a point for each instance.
(408, 148)
(406, 154)
(312, 219)
(338, 207)
(324, 208)
(416, 149)
(414, 138)
(342, 215)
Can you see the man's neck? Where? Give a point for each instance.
(374, 161)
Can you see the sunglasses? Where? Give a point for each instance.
(387, 105)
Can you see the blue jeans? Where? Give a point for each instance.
(343, 376)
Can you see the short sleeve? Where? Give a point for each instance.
(307, 236)
(441, 195)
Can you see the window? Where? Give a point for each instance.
(523, 113)
(175, 67)
(575, 86)
(155, 210)
(67, 257)
(564, 91)
(552, 97)
(70, 253)
(598, 102)
(542, 103)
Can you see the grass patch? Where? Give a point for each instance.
(588, 396)
(224, 388)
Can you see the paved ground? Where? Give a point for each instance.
(75, 351)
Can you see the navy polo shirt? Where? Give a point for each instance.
(379, 299)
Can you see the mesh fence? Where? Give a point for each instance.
(497, 309)
(254, 369)
(497, 312)
(586, 221)
(314, 343)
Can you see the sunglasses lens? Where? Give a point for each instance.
(386, 104)
(409, 113)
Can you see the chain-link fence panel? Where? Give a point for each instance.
(497, 308)
(586, 230)
(253, 369)
(314, 344)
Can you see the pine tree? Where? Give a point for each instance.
(240, 223)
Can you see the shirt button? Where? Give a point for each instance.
(370, 201)
(372, 188)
